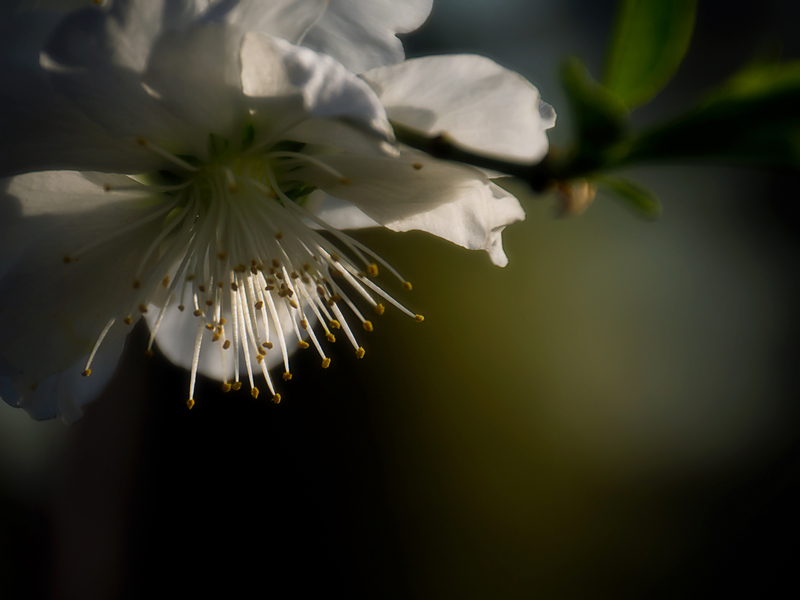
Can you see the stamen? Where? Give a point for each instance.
(145, 143)
(87, 371)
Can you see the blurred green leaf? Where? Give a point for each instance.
(601, 117)
(753, 118)
(649, 42)
(633, 195)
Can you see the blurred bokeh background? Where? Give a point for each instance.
(613, 415)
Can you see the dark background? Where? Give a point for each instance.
(613, 415)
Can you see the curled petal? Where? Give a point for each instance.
(475, 101)
(360, 34)
(415, 191)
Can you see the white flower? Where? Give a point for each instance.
(190, 162)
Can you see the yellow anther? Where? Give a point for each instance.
(372, 270)
(259, 305)
(226, 345)
(209, 302)
(202, 288)
(261, 351)
(360, 353)
(136, 284)
(190, 277)
(331, 337)
(240, 268)
(368, 326)
(295, 275)
(269, 288)
(379, 309)
(407, 286)
(306, 267)
(127, 321)
(190, 403)
(254, 392)
(287, 376)
(216, 337)
(276, 398)
(237, 385)
(165, 281)
(419, 318)
(148, 354)
(293, 304)
(304, 323)
(87, 372)
(417, 166)
(276, 263)
(234, 286)
(226, 387)
(302, 345)
(181, 307)
(67, 260)
(335, 324)
(267, 345)
(326, 362)
(259, 359)
(334, 257)
(321, 291)
(142, 308)
(209, 326)
(197, 313)
(222, 321)
(220, 285)
(222, 255)
(278, 235)
(344, 181)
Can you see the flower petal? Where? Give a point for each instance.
(415, 191)
(53, 312)
(39, 128)
(64, 393)
(480, 104)
(96, 58)
(274, 69)
(360, 34)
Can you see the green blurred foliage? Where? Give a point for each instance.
(649, 42)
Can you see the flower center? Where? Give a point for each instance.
(239, 250)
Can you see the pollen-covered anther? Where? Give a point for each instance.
(237, 385)
(267, 345)
(304, 323)
(142, 308)
(181, 307)
(276, 399)
(67, 260)
(372, 270)
(254, 392)
(165, 281)
(216, 337)
(127, 321)
(419, 318)
(262, 351)
(234, 286)
(222, 255)
(407, 286)
(326, 362)
(240, 268)
(276, 263)
(209, 302)
(379, 309)
(222, 321)
(360, 352)
(344, 181)
(226, 387)
(302, 345)
(86, 372)
(331, 338)
(417, 166)
(209, 326)
(293, 304)
(335, 324)
(279, 235)
(190, 403)
(226, 345)
(198, 313)
(202, 288)
(148, 354)
(259, 358)
(136, 284)
(287, 376)
(367, 326)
